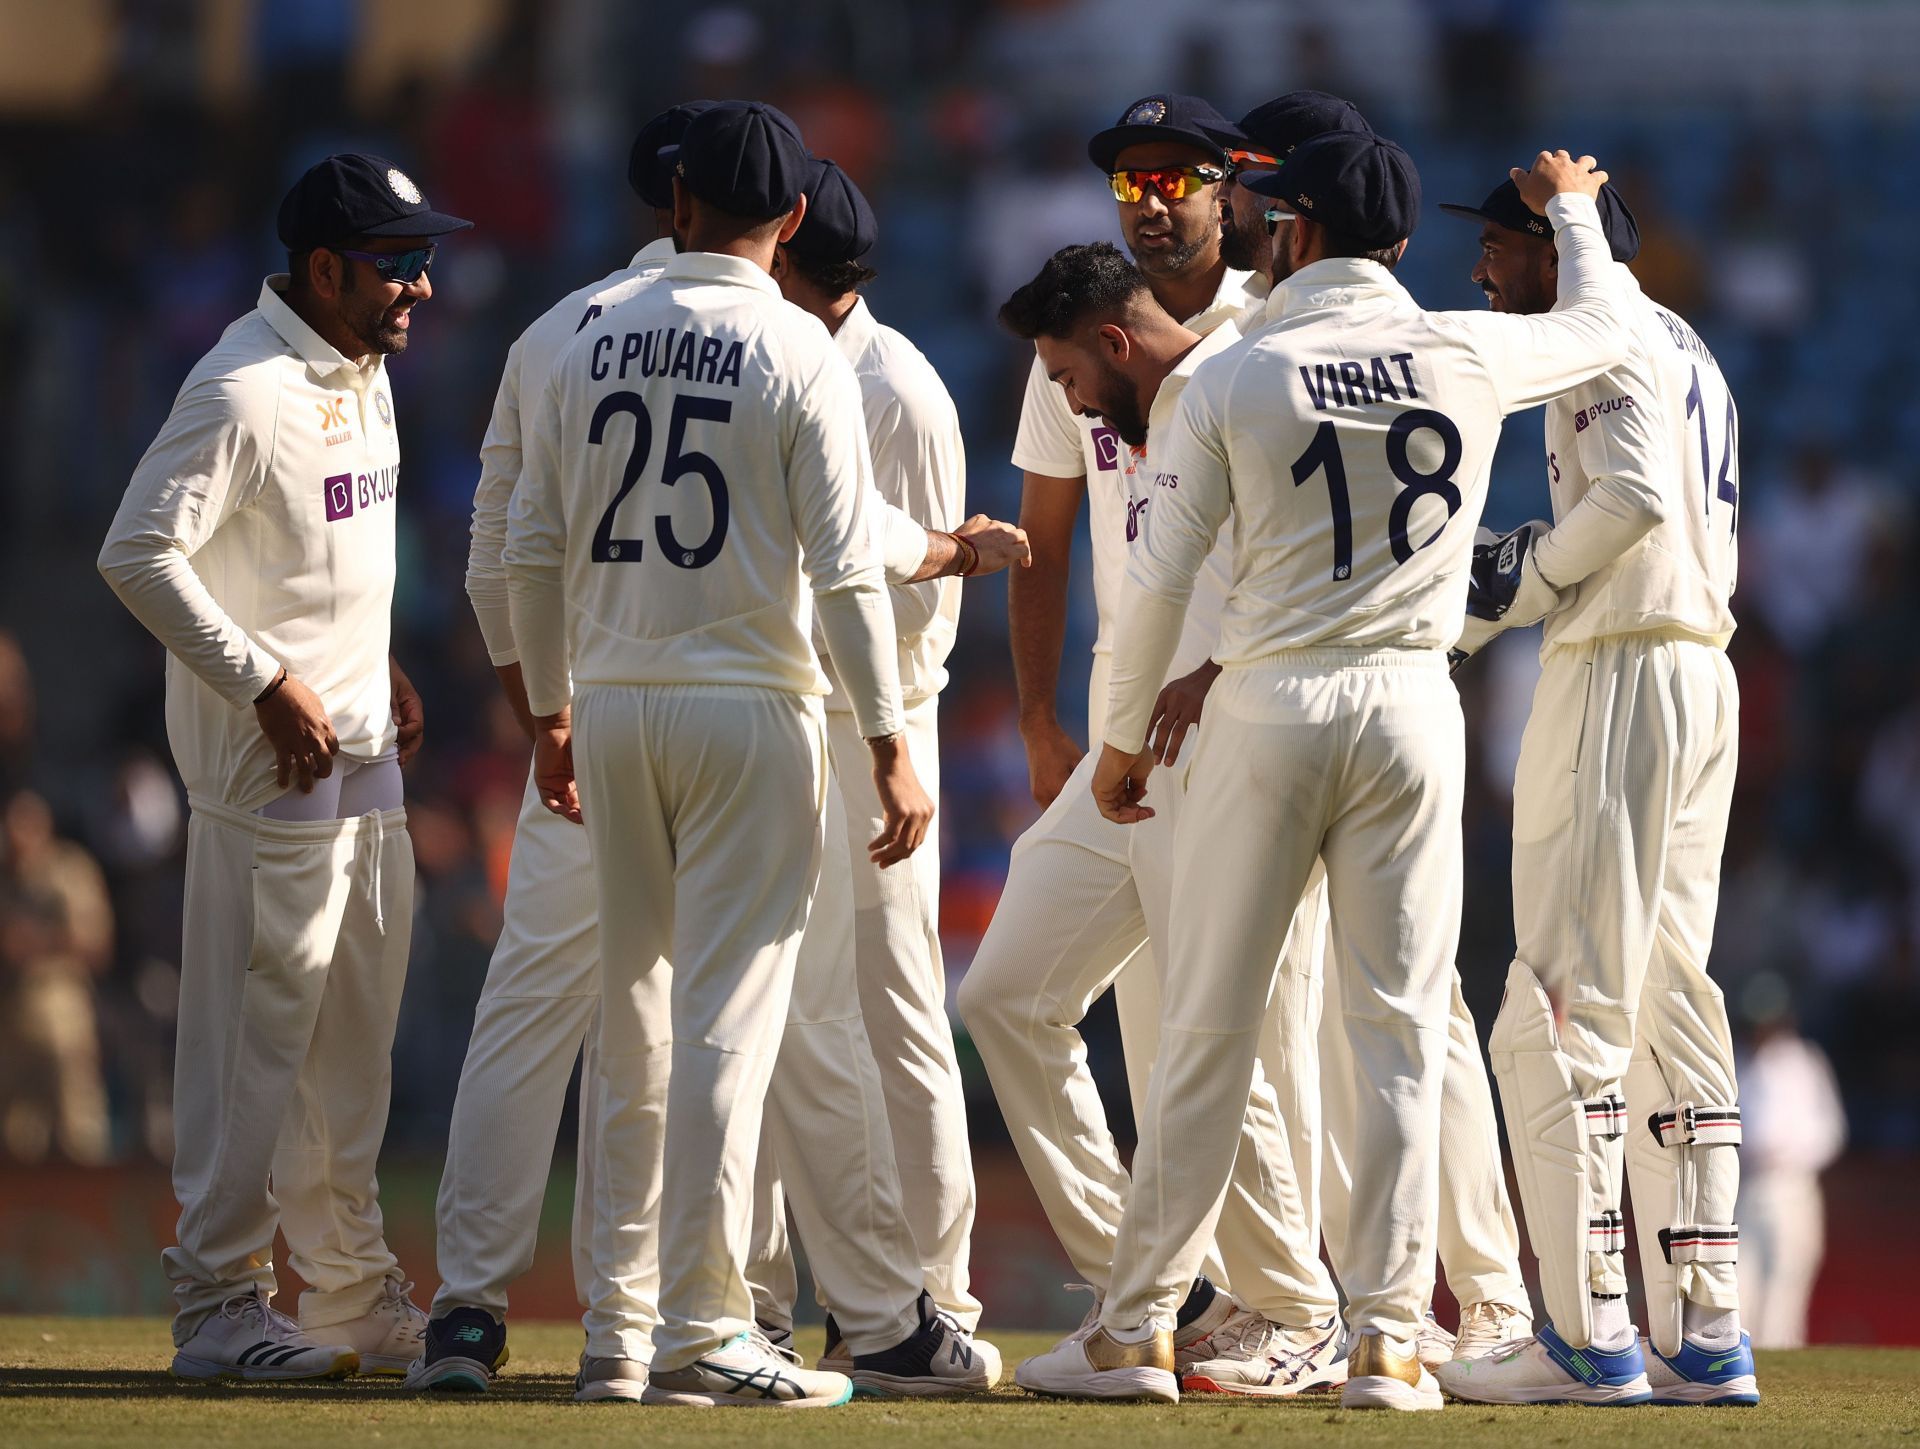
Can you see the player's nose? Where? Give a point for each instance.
(420, 288)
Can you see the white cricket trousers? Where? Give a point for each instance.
(1620, 805)
(1082, 900)
(536, 1013)
(1359, 759)
(293, 961)
(703, 804)
(826, 1148)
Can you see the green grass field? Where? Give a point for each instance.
(103, 1381)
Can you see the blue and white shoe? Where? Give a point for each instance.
(745, 1372)
(1703, 1375)
(1546, 1369)
(465, 1350)
(940, 1359)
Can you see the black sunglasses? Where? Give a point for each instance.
(406, 268)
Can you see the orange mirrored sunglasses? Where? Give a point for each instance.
(1175, 183)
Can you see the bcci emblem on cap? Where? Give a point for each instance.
(1149, 112)
(402, 186)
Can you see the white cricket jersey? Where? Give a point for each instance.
(920, 468)
(258, 532)
(529, 362)
(1350, 439)
(695, 459)
(1056, 442)
(1653, 441)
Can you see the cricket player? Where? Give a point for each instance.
(256, 541)
(878, 930)
(1612, 1041)
(1075, 916)
(541, 999)
(1479, 1241)
(1349, 443)
(702, 743)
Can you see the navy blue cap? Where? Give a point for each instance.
(839, 225)
(744, 157)
(353, 195)
(1352, 181)
(1503, 207)
(1166, 117)
(648, 172)
(1279, 125)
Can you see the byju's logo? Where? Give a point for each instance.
(339, 490)
(1136, 507)
(1106, 449)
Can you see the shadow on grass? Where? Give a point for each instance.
(62, 1383)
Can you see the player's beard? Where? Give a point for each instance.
(372, 324)
(1120, 407)
(1242, 248)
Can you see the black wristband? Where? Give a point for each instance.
(268, 693)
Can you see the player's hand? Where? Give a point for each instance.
(553, 765)
(1000, 545)
(1120, 784)
(408, 713)
(1052, 756)
(905, 810)
(1177, 711)
(1554, 172)
(296, 725)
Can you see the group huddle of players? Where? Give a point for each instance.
(717, 552)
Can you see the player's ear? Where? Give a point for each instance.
(794, 218)
(1112, 339)
(682, 208)
(326, 273)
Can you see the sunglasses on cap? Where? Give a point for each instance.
(1251, 161)
(1175, 183)
(406, 268)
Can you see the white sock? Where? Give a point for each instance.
(1612, 1328)
(1710, 1327)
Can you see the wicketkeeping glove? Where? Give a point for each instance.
(1505, 589)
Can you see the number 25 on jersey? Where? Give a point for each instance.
(677, 464)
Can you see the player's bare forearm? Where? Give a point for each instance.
(514, 685)
(1037, 595)
(980, 546)
(409, 715)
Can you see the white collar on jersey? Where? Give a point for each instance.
(655, 253)
(1238, 293)
(1332, 282)
(856, 331)
(309, 346)
(719, 267)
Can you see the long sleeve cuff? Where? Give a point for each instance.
(1149, 634)
(493, 611)
(1573, 208)
(858, 624)
(901, 542)
(539, 620)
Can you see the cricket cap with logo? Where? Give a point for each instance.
(650, 173)
(1503, 207)
(1166, 117)
(1353, 182)
(354, 195)
(744, 158)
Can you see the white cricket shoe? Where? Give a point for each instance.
(1255, 1356)
(1485, 1326)
(609, 1380)
(1435, 1345)
(1545, 1369)
(390, 1336)
(1383, 1374)
(939, 1359)
(1090, 1363)
(1194, 1343)
(746, 1372)
(248, 1338)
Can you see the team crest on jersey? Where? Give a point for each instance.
(1106, 449)
(1146, 113)
(402, 186)
(383, 407)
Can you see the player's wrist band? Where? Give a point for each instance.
(266, 694)
(969, 555)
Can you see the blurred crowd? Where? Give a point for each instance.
(135, 228)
